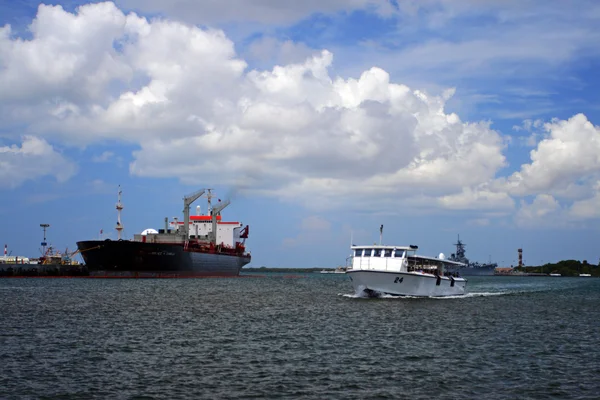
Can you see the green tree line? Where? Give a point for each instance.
(565, 268)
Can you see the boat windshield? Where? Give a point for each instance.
(391, 253)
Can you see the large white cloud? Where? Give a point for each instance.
(188, 100)
(34, 158)
(568, 157)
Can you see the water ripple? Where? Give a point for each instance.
(309, 338)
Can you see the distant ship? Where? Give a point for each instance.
(470, 268)
(338, 270)
(200, 246)
(51, 263)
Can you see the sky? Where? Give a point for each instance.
(319, 120)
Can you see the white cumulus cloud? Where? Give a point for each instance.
(544, 210)
(296, 130)
(34, 158)
(569, 155)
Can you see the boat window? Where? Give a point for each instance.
(358, 252)
(387, 253)
(399, 253)
(376, 252)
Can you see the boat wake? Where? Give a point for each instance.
(471, 295)
(364, 295)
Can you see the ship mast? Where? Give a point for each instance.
(119, 227)
(44, 244)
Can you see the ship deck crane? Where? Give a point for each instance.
(214, 211)
(187, 202)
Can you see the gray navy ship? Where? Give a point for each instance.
(469, 268)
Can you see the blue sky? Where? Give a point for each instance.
(320, 120)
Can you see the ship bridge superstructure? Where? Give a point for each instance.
(209, 227)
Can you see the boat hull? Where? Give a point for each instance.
(406, 284)
(138, 259)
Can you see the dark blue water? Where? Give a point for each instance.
(308, 337)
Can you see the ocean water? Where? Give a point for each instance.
(306, 336)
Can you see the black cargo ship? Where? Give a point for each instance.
(200, 246)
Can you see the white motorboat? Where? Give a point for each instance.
(398, 270)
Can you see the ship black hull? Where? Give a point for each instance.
(122, 258)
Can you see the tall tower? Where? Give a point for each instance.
(520, 257)
(119, 227)
(44, 244)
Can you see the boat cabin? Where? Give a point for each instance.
(397, 259)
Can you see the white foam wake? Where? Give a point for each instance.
(363, 295)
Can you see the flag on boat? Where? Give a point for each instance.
(381, 229)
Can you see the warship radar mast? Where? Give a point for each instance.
(119, 226)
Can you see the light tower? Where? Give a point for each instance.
(119, 227)
(44, 244)
(520, 251)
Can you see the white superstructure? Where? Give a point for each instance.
(201, 226)
(209, 227)
(398, 270)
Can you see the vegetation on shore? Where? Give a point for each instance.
(564, 267)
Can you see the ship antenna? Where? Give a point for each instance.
(119, 227)
(44, 244)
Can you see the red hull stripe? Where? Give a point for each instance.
(218, 222)
(203, 217)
